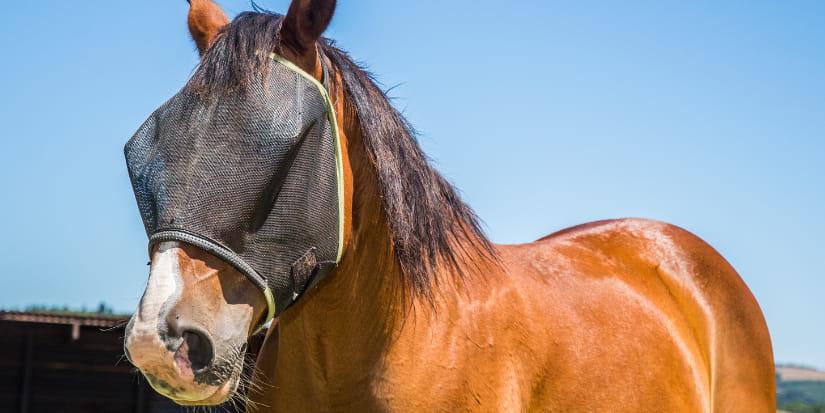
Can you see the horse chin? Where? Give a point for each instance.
(188, 392)
(212, 385)
(221, 395)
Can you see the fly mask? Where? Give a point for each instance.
(253, 177)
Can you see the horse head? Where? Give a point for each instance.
(208, 288)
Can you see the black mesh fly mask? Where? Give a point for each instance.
(252, 177)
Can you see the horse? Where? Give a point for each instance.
(421, 312)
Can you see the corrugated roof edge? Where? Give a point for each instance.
(102, 320)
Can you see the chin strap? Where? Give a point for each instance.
(270, 310)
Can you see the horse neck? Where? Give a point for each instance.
(363, 310)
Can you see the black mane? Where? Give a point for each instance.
(429, 223)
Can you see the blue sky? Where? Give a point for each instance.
(545, 114)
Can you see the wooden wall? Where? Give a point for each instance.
(43, 368)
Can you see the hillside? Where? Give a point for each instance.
(800, 389)
(794, 373)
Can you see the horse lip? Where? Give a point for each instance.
(210, 400)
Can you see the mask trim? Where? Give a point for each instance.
(226, 254)
(339, 164)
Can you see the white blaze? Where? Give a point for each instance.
(164, 285)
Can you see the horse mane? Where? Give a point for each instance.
(429, 224)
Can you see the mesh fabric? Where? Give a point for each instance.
(250, 177)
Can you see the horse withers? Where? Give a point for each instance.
(281, 183)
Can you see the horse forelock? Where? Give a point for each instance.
(432, 229)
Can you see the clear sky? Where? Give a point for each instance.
(709, 115)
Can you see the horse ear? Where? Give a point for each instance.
(205, 19)
(304, 24)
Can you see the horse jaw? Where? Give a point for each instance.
(189, 332)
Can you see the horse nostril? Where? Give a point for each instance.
(198, 349)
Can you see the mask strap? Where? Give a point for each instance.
(270, 310)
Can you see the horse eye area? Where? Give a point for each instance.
(195, 352)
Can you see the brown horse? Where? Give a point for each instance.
(423, 313)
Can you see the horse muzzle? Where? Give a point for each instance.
(183, 364)
(188, 335)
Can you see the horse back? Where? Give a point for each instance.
(639, 315)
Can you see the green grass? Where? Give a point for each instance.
(801, 396)
(801, 407)
(811, 392)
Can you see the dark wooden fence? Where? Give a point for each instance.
(70, 363)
